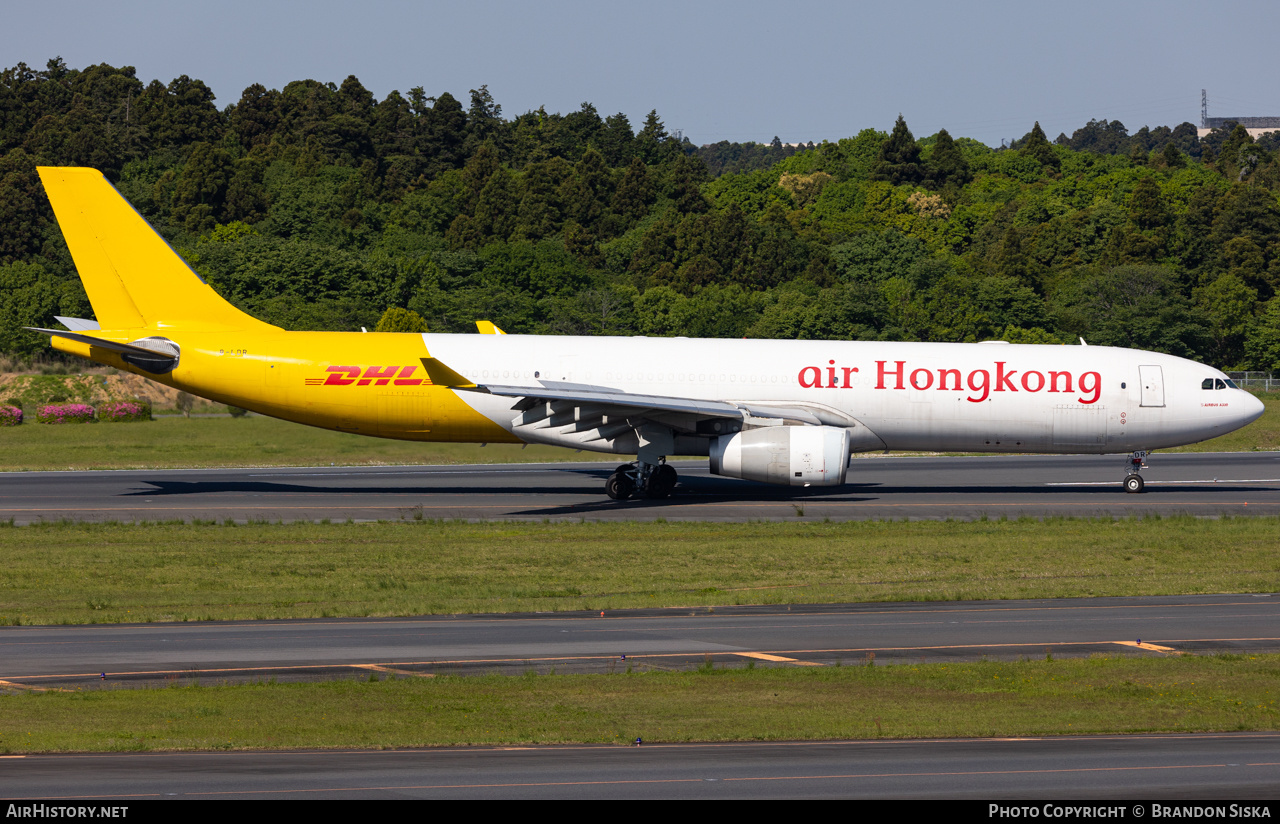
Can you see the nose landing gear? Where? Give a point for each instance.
(650, 480)
(1133, 481)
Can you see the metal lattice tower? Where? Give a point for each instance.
(1204, 109)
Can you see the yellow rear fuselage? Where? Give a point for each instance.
(369, 384)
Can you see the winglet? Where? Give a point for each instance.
(487, 327)
(442, 375)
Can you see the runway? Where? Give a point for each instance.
(43, 657)
(1241, 768)
(1205, 484)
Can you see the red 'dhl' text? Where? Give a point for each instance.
(376, 375)
(978, 383)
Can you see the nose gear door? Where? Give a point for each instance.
(1152, 385)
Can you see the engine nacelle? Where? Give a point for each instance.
(787, 455)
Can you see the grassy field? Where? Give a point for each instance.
(106, 573)
(987, 699)
(173, 442)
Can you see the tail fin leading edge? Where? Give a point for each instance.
(132, 276)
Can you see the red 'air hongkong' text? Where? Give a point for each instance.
(978, 384)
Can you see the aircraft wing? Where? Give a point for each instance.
(607, 397)
(573, 414)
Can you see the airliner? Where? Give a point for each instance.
(780, 412)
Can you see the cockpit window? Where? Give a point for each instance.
(1207, 383)
(1231, 384)
(1219, 384)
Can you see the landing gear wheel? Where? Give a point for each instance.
(619, 487)
(662, 482)
(1133, 483)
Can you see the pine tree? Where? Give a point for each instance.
(947, 166)
(1036, 145)
(899, 160)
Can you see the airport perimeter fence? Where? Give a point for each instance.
(1257, 381)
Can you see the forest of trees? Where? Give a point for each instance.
(319, 206)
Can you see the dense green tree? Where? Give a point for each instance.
(318, 207)
(21, 212)
(899, 158)
(256, 117)
(199, 190)
(446, 134)
(636, 191)
(484, 122)
(180, 114)
(1228, 305)
(397, 319)
(1036, 146)
(29, 296)
(1137, 307)
(652, 144)
(946, 168)
(1263, 346)
(616, 140)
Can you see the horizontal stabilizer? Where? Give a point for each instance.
(78, 324)
(122, 348)
(155, 355)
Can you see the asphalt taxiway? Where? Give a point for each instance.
(1205, 484)
(1240, 768)
(45, 657)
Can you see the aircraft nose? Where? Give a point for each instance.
(1253, 409)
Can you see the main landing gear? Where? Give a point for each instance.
(1133, 481)
(650, 480)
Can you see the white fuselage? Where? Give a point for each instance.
(990, 397)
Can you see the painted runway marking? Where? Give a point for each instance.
(378, 668)
(1152, 647)
(15, 685)
(764, 656)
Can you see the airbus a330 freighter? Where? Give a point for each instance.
(781, 412)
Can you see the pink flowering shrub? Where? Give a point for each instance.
(124, 411)
(10, 416)
(65, 413)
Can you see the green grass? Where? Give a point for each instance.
(1027, 698)
(174, 442)
(104, 573)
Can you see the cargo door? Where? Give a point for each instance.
(404, 414)
(1152, 385)
(1079, 428)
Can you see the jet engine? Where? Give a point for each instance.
(787, 455)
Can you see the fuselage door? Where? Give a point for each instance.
(1152, 385)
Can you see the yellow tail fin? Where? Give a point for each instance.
(132, 276)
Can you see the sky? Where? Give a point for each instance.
(739, 71)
